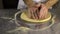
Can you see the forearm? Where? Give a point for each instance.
(50, 3)
(29, 3)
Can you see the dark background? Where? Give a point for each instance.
(9, 4)
(12, 4)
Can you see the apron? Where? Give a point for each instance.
(21, 4)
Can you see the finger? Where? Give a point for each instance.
(32, 11)
(36, 17)
(45, 10)
(29, 13)
(41, 13)
(37, 14)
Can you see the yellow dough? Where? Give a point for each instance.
(24, 17)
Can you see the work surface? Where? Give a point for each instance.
(8, 24)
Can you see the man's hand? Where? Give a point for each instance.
(43, 12)
(38, 11)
